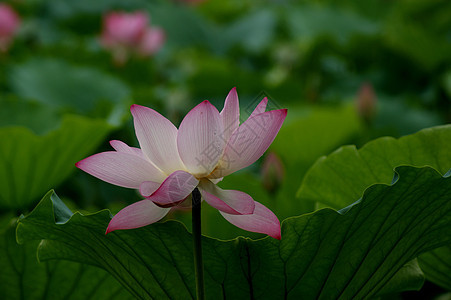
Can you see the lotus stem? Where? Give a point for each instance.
(197, 244)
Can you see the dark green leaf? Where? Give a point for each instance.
(325, 255)
(23, 277)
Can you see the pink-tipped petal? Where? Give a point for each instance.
(230, 114)
(228, 201)
(200, 142)
(262, 221)
(249, 142)
(122, 169)
(120, 146)
(261, 108)
(157, 137)
(174, 189)
(137, 215)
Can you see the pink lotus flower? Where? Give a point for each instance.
(9, 23)
(126, 34)
(171, 163)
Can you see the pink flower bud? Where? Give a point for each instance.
(9, 23)
(127, 34)
(273, 172)
(366, 102)
(122, 29)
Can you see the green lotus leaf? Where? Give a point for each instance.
(352, 254)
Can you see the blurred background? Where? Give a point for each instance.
(348, 72)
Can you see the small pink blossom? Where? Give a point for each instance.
(9, 23)
(171, 163)
(127, 34)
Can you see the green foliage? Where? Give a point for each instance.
(436, 265)
(322, 255)
(340, 178)
(302, 54)
(23, 277)
(35, 116)
(307, 23)
(60, 85)
(31, 164)
(305, 137)
(410, 23)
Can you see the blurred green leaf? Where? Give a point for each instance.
(436, 265)
(308, 22)
(303, 138)
(254, 32)
(447, 83)
(23, 277)
(323, 255)
(69, 88)
(310, 133)
(420, 30)
(396, 115)
(33, 115)
(340, 178)
(31, 164)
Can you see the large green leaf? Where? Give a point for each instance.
(340, 178)
(23, 277)
(325, 255)
(30, 164)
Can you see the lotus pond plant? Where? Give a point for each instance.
(173, 162)
(339, 210)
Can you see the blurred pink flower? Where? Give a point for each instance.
(366, 102)
(126, 34)
(151, 41)
(172, 162)
(273, 172)
(9, 23)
